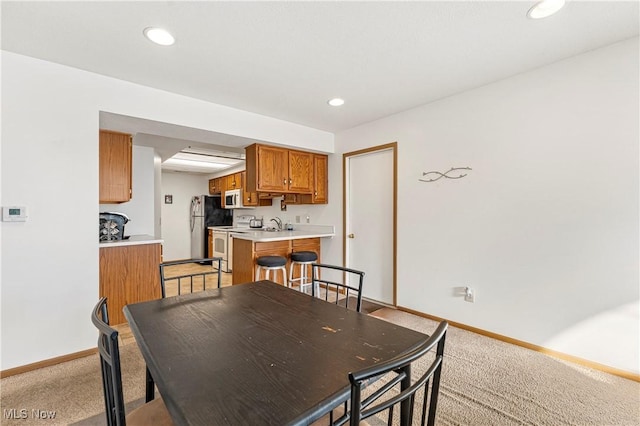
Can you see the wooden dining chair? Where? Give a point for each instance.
(337, 284)
(150, 413)
(187, 276)
(386, 378)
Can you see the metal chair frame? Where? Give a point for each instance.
(334, 287)
(191, 276)
(109, 365)
(401, 366)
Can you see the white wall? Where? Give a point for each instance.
(176, 231)
(141, 208)
(545, 226)
(50, 126)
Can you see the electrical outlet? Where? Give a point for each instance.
(297, 219)
(469, 294)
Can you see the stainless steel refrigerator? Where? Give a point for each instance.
(206, 211)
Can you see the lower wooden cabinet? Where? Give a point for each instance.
(129, 274)
(245, 253)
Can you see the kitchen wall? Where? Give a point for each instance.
(545, 226)
(141, 209)
(50, 121)
(176, 231)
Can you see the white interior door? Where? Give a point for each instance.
(370, 216)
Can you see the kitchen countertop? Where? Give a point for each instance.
(299, 232)
(132, 241)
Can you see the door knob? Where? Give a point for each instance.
(351, 236)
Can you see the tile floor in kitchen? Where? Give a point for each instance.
(124, 332)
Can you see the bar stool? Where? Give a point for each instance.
(271, 263)
(303, 259)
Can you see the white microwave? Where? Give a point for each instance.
(233, 199)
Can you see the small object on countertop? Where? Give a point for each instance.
(289, 226)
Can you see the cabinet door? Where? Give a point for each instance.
(272, 168)
(115, 167)
(233, 181)
(249, 198)
(300, 172)
(215, 186)
(320, 179)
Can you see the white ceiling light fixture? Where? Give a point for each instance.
(545, 8)
(336, 102)
(203, 163)
(159, 36)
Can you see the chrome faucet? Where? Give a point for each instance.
(278, 222)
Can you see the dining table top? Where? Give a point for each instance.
(258, 353)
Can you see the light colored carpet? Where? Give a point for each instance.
(484, 382)
(489, 382)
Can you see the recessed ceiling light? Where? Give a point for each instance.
(545, 8)
(159, 36)
(336, 102)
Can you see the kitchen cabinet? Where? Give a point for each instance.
(129, 274)
(274, 169)
(320, 183)
(233, 181)
(249, 199)
(215, 186)
(115, 168)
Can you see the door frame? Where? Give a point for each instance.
(393, 146)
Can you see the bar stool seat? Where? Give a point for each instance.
(303, 259)
(271, 263)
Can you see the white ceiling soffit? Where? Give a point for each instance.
(286, 59)
(170, 139)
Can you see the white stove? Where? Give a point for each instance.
(223, 240)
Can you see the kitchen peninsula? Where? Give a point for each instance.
(248, 246)
(129, 272)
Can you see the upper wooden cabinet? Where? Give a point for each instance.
(320, 179)
(233, 181)
(273, 169)
(249, 199)
(115, 167)
(215, 185)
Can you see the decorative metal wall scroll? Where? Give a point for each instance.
(437, 175)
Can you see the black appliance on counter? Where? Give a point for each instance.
(112, 226)
(206, 211)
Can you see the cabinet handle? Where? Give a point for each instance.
(351, 236)
(289, 181)
(284, 181)
(315, 193)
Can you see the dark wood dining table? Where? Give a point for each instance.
(257, 353)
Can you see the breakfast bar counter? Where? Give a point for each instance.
(249, 245)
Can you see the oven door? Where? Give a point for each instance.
(221, 248)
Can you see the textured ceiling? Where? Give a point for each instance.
(286, 59)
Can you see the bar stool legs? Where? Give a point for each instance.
(303, 259)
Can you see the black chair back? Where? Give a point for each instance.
(197, 277)
(110, 365)
(404, 400)
(337, 284)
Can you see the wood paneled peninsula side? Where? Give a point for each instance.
(248, 246)
(129, 273)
